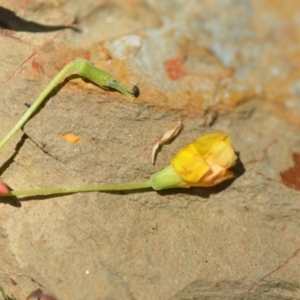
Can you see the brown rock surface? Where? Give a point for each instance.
(230, 66)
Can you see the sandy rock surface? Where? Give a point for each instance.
(230, 66)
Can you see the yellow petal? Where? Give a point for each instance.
(226, 176)
(206, 160)
(206, 143)
(222, 155)
(189, 164)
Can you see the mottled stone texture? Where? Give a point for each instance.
(231, 66)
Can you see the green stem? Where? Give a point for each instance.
(36, 103)
(82, 189)
(83, 68)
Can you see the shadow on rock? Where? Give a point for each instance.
(9, 20)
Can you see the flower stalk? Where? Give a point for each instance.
(203, 163)
(82, 189)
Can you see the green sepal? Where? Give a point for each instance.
(167, 179)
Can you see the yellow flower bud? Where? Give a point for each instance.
(203, 163)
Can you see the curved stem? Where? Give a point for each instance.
(37, 103)
(83, 68)
(82, 189)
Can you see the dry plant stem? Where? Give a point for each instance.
(81, 67)
(93, 188)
